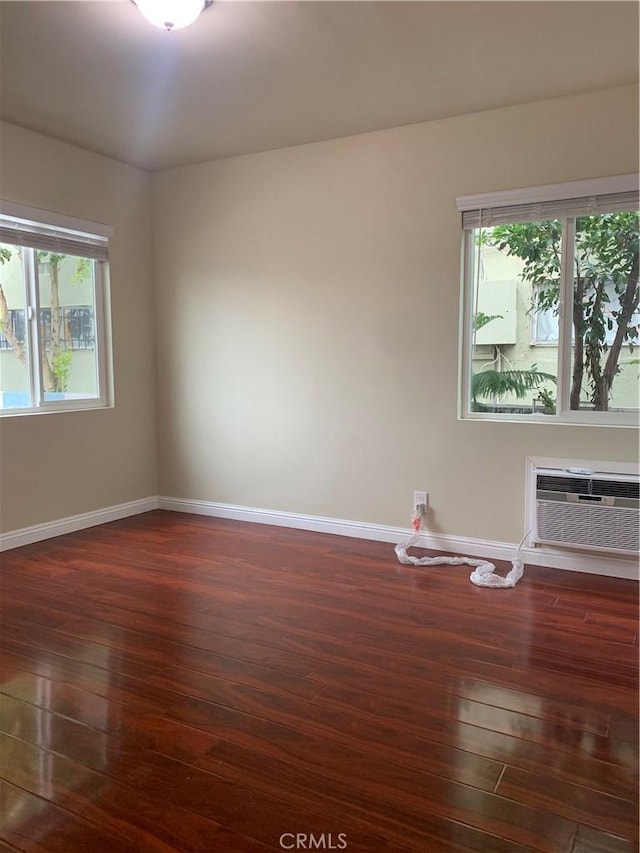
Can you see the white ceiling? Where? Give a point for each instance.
(250, 76)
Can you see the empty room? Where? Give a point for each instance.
(319, 396)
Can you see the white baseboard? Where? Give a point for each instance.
(617, 567)
(38, 532)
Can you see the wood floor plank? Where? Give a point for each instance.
(626, 626)
(412, 717)
(185, 644)
(34, 825)
(137, 822)
(41, 615)
(240, 808)
(93, 653)
(399, 758)
(61, 655)
(573, 662)
(624, 726)
(115, 817)
(620, 780)
(422, 822)
(589, 840)
(177, 682)
(583, 805)
(51, 694)
(440, 688)
(606, 605)
(606, 697)
(160, 643)
(414, 749)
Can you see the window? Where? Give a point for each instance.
(52, 312)
(544, 323)
(551, 315)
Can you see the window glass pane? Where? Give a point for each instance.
(605, 360)
(14, 347)
(516, 278)
(67, 327)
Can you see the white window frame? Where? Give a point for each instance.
(588, 190)
(65, 228)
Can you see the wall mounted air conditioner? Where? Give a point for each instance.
(594, 511)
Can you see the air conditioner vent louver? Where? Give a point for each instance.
(590, 526)
(615, 489)
(600, 513)
(563, 484)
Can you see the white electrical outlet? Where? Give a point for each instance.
(420, 499)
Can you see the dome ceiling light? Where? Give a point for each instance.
(172, 14)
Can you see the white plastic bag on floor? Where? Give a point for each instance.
(483, 574)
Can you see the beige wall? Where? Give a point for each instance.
(307, 309)
(56, 465)
(307, 305)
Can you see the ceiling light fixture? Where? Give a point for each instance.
(172, 14)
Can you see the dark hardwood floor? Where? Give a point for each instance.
(174, 682)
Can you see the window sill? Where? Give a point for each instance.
(77, 406)
(619, 420)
